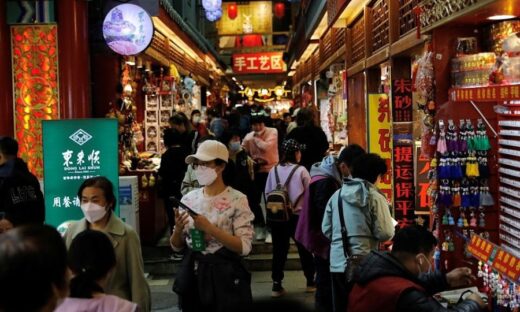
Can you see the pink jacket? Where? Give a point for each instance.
(263, 146)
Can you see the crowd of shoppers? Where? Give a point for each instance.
(214, 182)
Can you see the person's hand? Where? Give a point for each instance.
(478, 300)
(181, 220)
(460, 277)
(202, 223)
(5, 225)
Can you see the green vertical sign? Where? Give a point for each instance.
(73, 151)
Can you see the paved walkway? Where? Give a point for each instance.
(164, 300)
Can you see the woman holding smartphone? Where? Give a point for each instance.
(215, 236)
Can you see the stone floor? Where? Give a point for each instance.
(164, 300)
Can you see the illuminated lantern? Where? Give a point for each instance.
(211, 5)
(279, 10)
(232, 11)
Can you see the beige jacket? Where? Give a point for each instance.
(127, 280)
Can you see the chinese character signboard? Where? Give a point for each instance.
(422, 183)
(258, 63)
(502, 261)
(485, 94)
(404, 184)
(379, 136)
(402, 100)
(73, 151)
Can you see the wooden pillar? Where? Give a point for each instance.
(73, 59)
(6, 89)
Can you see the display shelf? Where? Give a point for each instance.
(509, 162)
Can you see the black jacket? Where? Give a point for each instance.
(241, 180)
(315, 141)
(172, 170)
(377, 265)
(21, 199)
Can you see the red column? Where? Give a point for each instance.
(73, 59)
(6, 89)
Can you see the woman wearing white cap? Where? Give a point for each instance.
(216, 233)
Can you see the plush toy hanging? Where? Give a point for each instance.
(441, 142)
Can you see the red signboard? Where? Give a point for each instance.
(480, 248)
(258, 63)
(507, 264)
(404, 184)
(489, 94)
(501, 260)
(422, 183)
(402, 107)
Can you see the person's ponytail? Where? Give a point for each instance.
(84, 284)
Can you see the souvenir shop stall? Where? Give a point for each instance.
(470, 132)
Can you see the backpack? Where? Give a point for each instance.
(278, 203)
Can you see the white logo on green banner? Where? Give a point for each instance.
(73, 151)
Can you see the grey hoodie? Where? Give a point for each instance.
(367, 218)
(327, 167)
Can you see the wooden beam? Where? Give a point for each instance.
(407, 42)
(393, 19)
(356, 68)
(379, 57)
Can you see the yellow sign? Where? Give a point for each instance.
(380, 136)
(251, 18)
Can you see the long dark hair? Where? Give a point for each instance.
(91, 257)
(102, 183)
(33, 261)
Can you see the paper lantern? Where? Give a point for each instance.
(232, 11)
(211, 5)
(279, 10)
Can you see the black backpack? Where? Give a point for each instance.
(278, 204)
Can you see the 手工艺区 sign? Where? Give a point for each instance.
(258, 63)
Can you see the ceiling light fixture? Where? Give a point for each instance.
(500, 17)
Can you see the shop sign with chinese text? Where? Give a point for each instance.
(402, 100)
(73, 151)
(502, 261)
(485, 94)
(258, 63)
(422, 183)
(404, 203)
(380, 138)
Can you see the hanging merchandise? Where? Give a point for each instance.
(279, 10)
(232, 11)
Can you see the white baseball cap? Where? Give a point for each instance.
(209, 150)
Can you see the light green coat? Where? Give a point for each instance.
(127, 280)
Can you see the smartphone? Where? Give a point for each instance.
(177, 202)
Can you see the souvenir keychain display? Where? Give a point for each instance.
(461, 191)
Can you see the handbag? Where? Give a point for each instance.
(353, 261)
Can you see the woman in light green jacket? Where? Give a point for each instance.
(97, 203)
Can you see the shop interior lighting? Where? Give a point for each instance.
(148, 66)
(500, 17)
(175, 39)
(139, 62)
(130, 60)
(291, 73)
(322, 27)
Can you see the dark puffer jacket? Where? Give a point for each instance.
(414, 295)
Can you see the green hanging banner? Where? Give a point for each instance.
(73, 151)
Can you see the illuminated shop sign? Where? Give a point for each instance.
(128, 29)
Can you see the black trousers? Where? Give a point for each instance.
(168, 206)
(260, 181)
(323, 285)
(340, 292)
(282, 233)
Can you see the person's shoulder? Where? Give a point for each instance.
(235, 194)
(114, 303)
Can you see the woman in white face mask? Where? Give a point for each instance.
(216, 233)
(127, 279)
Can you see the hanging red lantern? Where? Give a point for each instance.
(232, 11)
(279, 10)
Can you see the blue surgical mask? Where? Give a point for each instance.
(234, 146)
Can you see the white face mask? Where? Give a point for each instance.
(205, 175)
(93, 212)
(196, 119)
